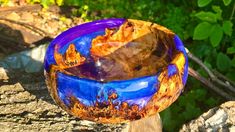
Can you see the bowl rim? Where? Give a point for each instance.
(154, 101)
(98, 25)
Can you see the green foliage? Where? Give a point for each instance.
(227, 2)
(44, 3)
(59, 2)
(4, 2)
(175, 19)
(216, 25)
(202, 31)
(216, 35)
(207, 16)
(228, 27)
(223, 62)
(231, 50)
(186, 108)
(202, 3)
(212, 26)
(233, 63)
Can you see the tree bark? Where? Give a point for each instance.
(218, 119)
(25, 105)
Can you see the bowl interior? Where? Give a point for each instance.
(113, 49)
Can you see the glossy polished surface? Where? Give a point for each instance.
(116, 70)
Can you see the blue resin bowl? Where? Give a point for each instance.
(116, 70)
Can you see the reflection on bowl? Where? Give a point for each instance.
(116, 70)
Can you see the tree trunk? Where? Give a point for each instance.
(25, 105)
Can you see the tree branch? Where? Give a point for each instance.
(209, 84)
(31, 27)
(215, 77)
(227, 80)
(34, 7)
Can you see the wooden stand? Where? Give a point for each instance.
(149, 124)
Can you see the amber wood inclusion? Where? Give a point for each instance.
(116, 70)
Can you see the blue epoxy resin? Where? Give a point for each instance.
(134, 91)
(116, 70)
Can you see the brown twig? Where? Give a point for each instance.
(6, 10)
(31, 27)
(209, 84)
(210, 73)
(199, 62)
(224, 77)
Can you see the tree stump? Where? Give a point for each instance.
(25, 105)
(218, 119)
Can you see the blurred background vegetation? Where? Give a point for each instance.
(205, 26)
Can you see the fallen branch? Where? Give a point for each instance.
(214, 79)
(31, 27)
(209, 84)
(227, 80)
(6, 10)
